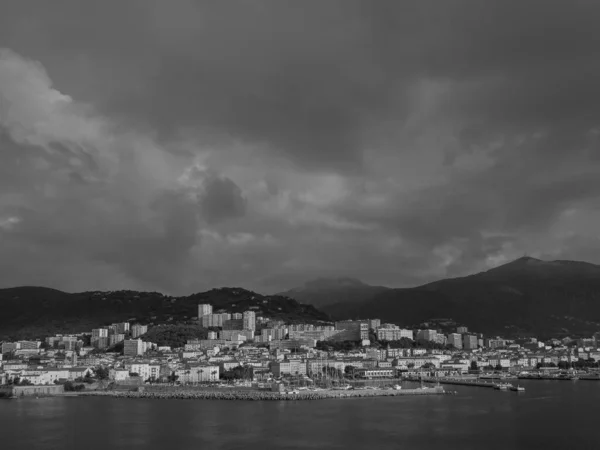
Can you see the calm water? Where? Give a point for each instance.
(550, 415)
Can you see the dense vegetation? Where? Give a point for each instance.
(174, 335)
(34, 312)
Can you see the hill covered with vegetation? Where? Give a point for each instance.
(524, 297)
(29, 312)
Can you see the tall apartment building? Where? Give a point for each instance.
(99, 338)
(99, 332)
(237, 316)
(249, 318)
(455, 340)
(469, 341)
(273, 333)
(215, 320)
(204, 310)
(114, 339)
(355, 330)
(133, 347)
(137, 330)
(233, 324)
(427, 335)
(462, 330)
(121, 328)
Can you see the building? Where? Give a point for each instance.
(237, 316)
(233, 324)
(273, 333)
(455, 340)
(99, 338)
(138, 330)
(393, 334)
(133, 347)
(115, 339)
(204, 310)
(354, 330)
(236, 335)
(214, 320)
(212, 335)
(288, 367)
(292, 344)
(462, 330)
(374, 324)
(498, 343)
(375, 373)
(144, 370)
(99, 332)
(249, 318)
(427, 335)
(121, 327)
(469, 341)
(8, 347)
(29, 345)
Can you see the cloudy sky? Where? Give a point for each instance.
(182, 145)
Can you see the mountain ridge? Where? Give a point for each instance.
(524, 296)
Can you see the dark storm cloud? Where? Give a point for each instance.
(409, 139)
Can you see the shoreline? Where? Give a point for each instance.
(184, 394)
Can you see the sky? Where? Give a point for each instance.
(184, 145)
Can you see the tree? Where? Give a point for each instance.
(350, 371)
(101, 372)
(498, 367)
(474, 365)
(564, 365)
(172, 378)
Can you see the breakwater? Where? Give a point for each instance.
(473, 383)
(255, 395)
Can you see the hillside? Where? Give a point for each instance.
(525, 296)
(328, 291)
(34, 311)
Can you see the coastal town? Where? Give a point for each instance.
(259, 353)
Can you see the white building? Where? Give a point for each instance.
(393, 334)
(249, 318)
(144, 370)
(137, 330)
(204, 310)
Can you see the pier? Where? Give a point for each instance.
(466, 382)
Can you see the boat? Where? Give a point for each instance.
(503, 386)
(397, 387)
(517, 388)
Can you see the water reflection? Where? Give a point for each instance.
(556, 416)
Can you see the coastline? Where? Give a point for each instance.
(186, 394)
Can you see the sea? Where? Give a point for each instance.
(548, 415)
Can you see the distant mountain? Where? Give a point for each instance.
(525, 296)
(28, 312)
(329, 291)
